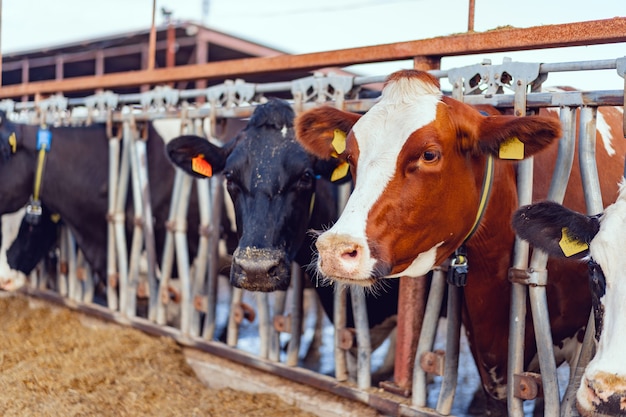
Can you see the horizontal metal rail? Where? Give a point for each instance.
(501, 40)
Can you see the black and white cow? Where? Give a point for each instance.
(601, 241)
(74, 184)
(33, 242)
(280, 192)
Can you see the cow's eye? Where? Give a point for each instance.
(430, 156)
(231, 183)
(306, 180)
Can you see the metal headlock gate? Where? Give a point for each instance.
(199, 276)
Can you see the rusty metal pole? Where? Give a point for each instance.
(470, 19)
(170, 57)
(152, 42)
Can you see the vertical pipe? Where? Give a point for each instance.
(427, 336)
(112, 284)
(265, 327)
(297, 284)
(232, 331)
(453, 337)
(470, 19)
(75, 291)
(339, 320)
(364, 345)
(517, 324)
(120, 216)
(217, 204)
(201, 261)
(411, 305)
(62, 266)
(278, 304)
(182, 256)
(148, 226)
(167, 260)
(152, 40)
(587, 159)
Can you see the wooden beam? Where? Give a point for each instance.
(502, 40)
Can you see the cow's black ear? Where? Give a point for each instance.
(334, 170)
(196, 155)
(556, 230)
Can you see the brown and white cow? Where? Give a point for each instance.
(418, 159)
(601, 241)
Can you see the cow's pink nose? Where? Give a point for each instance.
(339, 256)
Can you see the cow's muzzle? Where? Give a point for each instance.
(262, 270)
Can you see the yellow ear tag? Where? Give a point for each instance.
(201, 166)
(13, 142)
(339, 142)
(512, 149)
(340, 172)
(55, 217)
(571, 246)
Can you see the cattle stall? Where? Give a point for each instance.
(513, 86)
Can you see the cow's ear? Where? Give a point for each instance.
(516, 138)
(556, 230)
(334, 170)
(196, 155)
(322, 130)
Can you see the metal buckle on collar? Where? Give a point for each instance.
(457, 273)
(33, 212)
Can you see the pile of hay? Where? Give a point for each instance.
(57, 362)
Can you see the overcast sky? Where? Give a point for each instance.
(299, 26)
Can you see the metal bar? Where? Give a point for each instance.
(503, 40)
(265, 325)
(138, 238)
(182, 256)
(519, 292)
(148, 226)
(297, 319)
(232, 330)
(364, 344)
(565, 156)
(202, 257)
(453, 338)
(427, 336)
(112, 281)
(411, 304)
(278, 304)
(217, 204)
(587, 159)
(340, 309)
(167, 260)
(120, 215)
(517, 323)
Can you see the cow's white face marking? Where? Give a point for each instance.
(284, 131)
(607, 370)
(406, 105)
(607, 249)
(420, 265)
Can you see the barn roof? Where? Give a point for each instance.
(189, 43)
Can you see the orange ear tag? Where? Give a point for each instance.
(340, 172)
(571, 246)
(512, 148)
(339, 142)
(201, 166)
